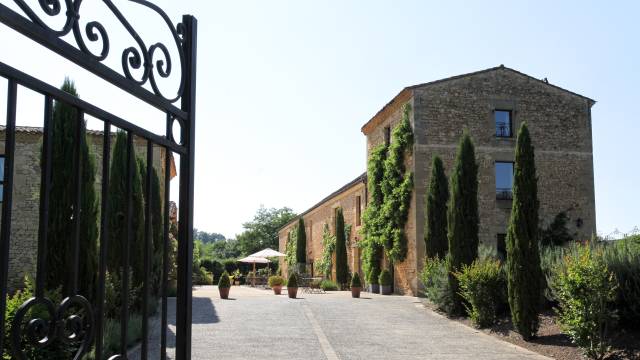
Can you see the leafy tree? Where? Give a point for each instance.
(342, 267)
(435, 233)
(207, 237)
(262, 231)
(60, 248)
(118, 212)
(462, 215)
(301, 244)
(524, 274)
(557, 233)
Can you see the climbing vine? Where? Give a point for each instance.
(290, 249)
(391, 188)
(324, 265)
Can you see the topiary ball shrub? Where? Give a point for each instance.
(293, 281)
(385, 278)
(276, 281)
(224, 282)
(483, 286)
(355, 281)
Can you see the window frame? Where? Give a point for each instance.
(510, 124)
(508, 195)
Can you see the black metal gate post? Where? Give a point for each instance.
(151, 63)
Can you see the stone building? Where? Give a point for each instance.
(491, 104)
(26, 192)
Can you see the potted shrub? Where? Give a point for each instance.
(374, 286)
(236, 277)
(356, 285)
(223, 285)
(292, 285)
(385, 282)
(276, 282)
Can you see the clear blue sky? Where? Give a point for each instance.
(284, 86)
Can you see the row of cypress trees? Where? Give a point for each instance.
(452, 227)
(62, 194)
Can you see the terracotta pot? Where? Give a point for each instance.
(374, 288)
(292, 292)
(277, 289)
(355, 292)
(385, 289)
(224, 293)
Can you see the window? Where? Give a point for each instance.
(1, 178)
(503, 123)
(504, 180)
(387, 135)
(358, 214)
(502, 246)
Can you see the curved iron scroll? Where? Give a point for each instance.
(72, 329)
(136, 57)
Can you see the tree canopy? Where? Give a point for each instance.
(262, 231)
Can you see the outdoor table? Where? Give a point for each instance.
(309, 287)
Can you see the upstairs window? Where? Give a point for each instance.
(387, 135)
(503, 123)
(504, 180)
(358, 213)
(1, 178)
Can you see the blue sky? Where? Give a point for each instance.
(284, 86)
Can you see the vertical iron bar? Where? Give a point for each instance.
(185, 237)
(77, 169)
(45, 190)
(124, 322)
(5, 229)
(104, 236)
(147, 253)
(165, 251)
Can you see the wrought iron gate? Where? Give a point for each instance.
(85, 331)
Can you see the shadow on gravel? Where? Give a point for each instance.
(203, 311)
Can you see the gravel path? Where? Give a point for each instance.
(256, 324)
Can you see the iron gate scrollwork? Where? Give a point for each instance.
(75, 320)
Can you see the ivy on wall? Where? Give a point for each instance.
(391, 188)
(325, 265)
(290, 249)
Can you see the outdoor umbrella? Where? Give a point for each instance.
(268, 252)
(254, 260)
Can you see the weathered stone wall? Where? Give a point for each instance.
(26, 195)
(560, 126)
(324, 213)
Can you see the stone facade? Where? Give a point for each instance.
(26, 193)
(351, 198)
(560, 125)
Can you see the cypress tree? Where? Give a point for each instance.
(342, 268)
(435, 233)
(524, 275)
(301, 244)
(118, 212)
(462, 215)
(60, 246)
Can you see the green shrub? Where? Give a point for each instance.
(224, 282)
(292, 282)
(373, 276)
(328, 285)
(111, 338)
(276, 281)
(385, 278)
(435, 278)
(586, 290)
(484, 288)
(623, 259)
(355, 281)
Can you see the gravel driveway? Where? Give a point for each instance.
(255, 324)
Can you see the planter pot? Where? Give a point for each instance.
(374, 288)
(277, 289)
(292, 292)
(224, 293)
(385, 289)
(355, 292)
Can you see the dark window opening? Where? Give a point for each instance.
(503, 123)
(502, 246)
(358, 213)
(504, 180)
(1, 178)
(387, 135)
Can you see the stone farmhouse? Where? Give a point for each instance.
(23, 248)
(491, 104)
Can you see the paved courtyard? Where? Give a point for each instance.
(255, 324)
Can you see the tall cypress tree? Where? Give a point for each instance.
(524, 275)
(462, 215)
(301, 244)
(60, 247)
(118, 212)
(342, 268)
(435, 233)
